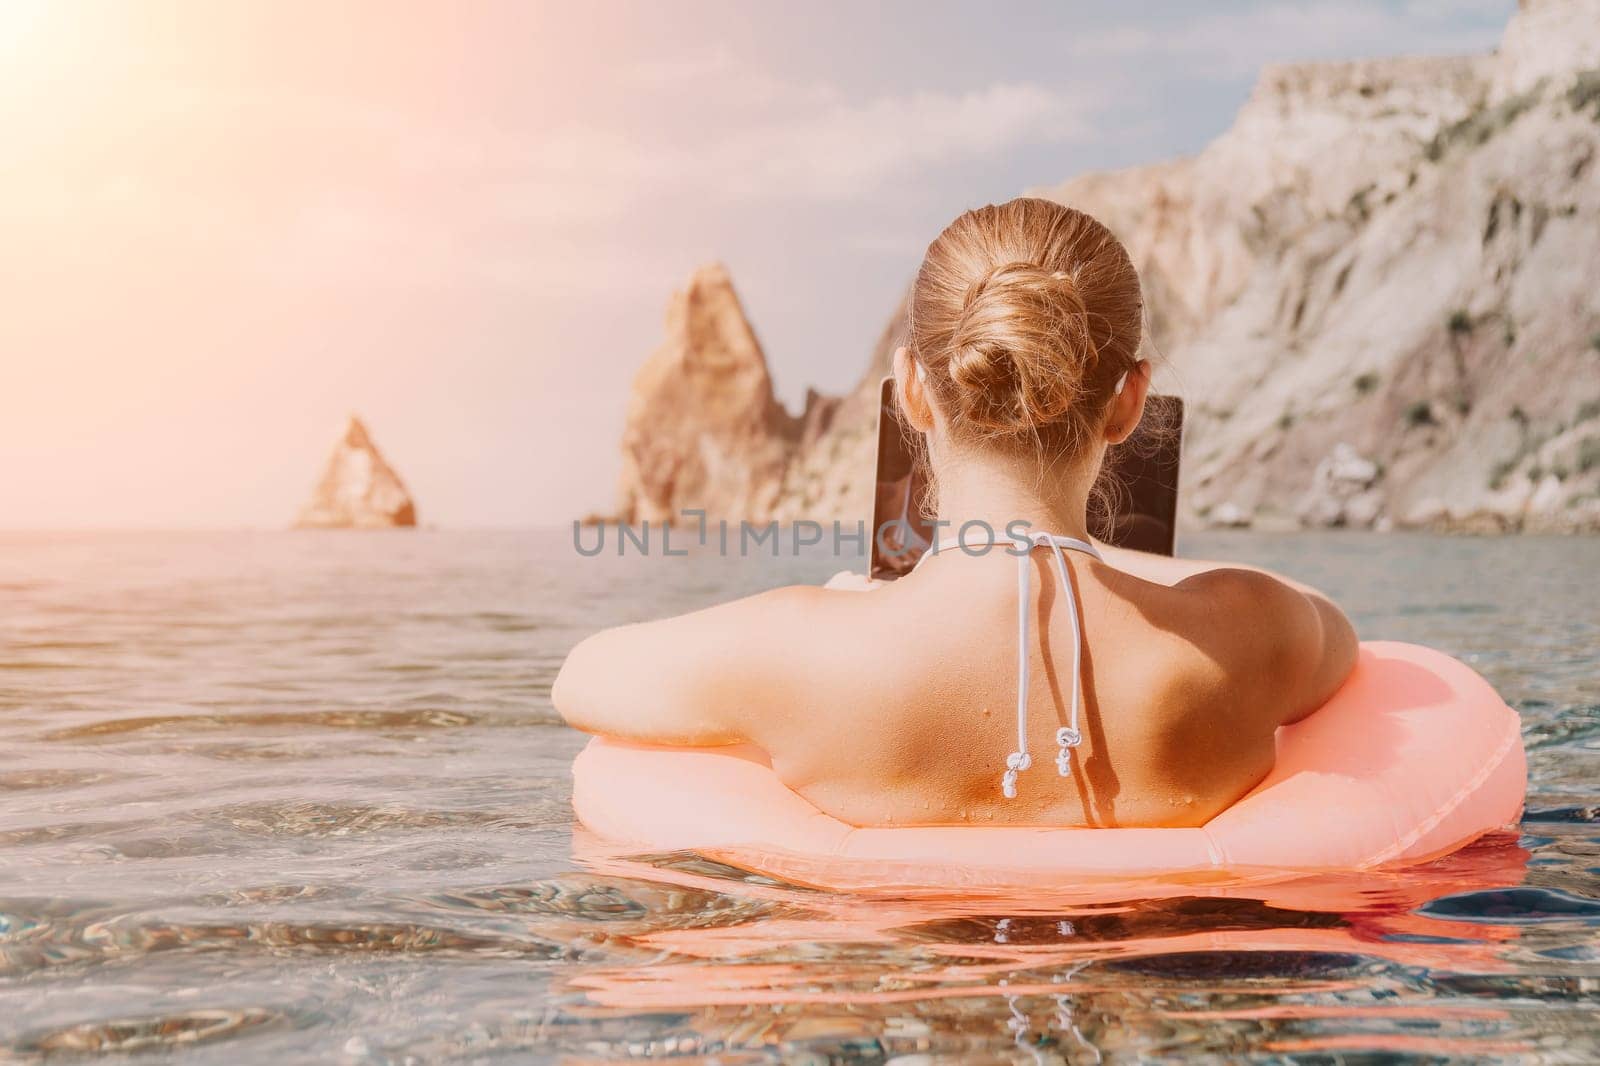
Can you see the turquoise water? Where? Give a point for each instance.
(277, 797)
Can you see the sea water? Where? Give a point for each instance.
(270, 797)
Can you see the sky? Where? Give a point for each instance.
(226, 226)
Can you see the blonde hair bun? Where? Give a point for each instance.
(1025, 314)
(1015, 351)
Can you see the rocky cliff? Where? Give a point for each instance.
(1377, 292)
(703, 429)
(358, 490)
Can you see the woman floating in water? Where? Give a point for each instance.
(1048, 681)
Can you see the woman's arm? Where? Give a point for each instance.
(699, 679)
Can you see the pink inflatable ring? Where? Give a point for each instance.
(1415, 757)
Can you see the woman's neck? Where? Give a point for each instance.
(988, 485)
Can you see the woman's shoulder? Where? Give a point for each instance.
(1248, 643)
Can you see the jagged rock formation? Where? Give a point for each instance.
(1376, 291)
(358, 490)
(703, 428)
(704, 431)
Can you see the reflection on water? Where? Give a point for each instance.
(269, 797)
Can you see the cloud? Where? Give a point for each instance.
(825, 148)
(718, 77)
(354, 186)
(718, 130)
(1495, 11)
(851, 150)
(1234, 44)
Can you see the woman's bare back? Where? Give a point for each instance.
(919, 733)
(898, 706)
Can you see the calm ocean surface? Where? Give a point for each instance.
(272, 797)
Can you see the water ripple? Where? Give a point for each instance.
(302, 797)
(163, 1032)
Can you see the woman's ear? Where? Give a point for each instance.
(911, 391)
(1127, 406)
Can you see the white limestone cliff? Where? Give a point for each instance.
(1386, 264)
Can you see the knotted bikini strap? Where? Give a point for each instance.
(1068, 736)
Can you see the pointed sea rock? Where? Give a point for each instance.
(358, 490)
(703, 428)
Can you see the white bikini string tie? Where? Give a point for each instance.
(1068, 736)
